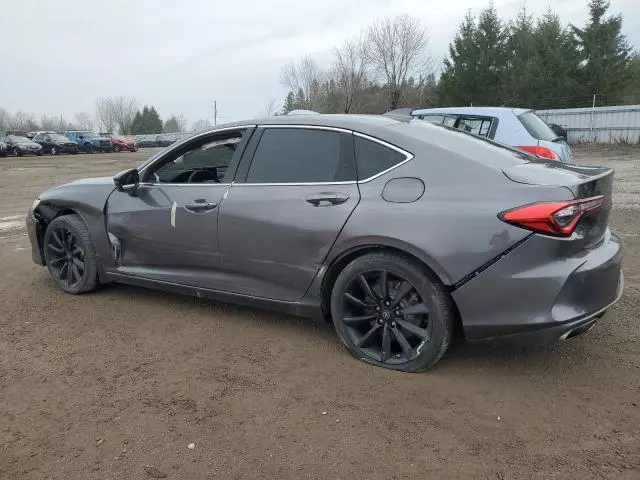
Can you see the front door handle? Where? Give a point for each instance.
(326, 199)
(200, 206)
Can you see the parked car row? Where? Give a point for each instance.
(54, 143)
(164, 140)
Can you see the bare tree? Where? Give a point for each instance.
(105, 117)
(124, 109)
(200, 125)
(350, 72)
(396, 46)
(271, 109)
(305, 77)
(48, 122)
(4, 119)
(22, 121)
(84, 121)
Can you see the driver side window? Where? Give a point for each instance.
(205, 161)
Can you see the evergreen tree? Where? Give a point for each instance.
(146, 122)
(556, 82)
(522, 63)
(154, 122)
(289, 103)
(457, 83)
(491, 38)
(604, 53)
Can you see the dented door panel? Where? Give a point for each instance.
(167, 232)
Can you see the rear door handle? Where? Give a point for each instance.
(326, 199)
(200, 206)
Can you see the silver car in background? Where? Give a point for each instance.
(516, 127)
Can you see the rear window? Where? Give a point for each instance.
(536, 127)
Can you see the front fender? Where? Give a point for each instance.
(87, 200)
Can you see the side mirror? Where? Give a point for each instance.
(127, 181)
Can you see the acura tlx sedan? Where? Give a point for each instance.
(399, 231)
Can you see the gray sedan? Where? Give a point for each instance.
(399, 232)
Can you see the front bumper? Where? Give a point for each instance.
(540, 293)
(35, 230)
(29, 151)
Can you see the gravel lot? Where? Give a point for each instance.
(100, 386)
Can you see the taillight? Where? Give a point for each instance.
(552, 218)
(542, 152)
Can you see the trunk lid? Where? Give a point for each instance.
(582, 181)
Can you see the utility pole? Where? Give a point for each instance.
(215, 113)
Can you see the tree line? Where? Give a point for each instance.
(112, 114)
(525, 62)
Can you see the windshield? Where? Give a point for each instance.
(536, 127)
(15, 138)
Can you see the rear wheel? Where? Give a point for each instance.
(70, 256)
(54, 150)
(18, 152)
(389, 312)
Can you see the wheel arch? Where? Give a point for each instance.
(48, 211)
(340, 261)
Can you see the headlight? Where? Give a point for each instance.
(34, 205)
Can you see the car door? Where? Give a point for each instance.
(293, 193)
(168, 230)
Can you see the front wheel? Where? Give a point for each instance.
(18, 152)
(88, 148)
(390, 312)
(70, 256)
(54, 151)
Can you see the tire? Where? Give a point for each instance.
(54, 150)
(417, 331)
(116, 148)
(88, 148)
(18, 152)
(66, 240)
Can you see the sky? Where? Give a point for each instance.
(180, 56)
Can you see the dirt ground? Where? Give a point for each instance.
(100, 386)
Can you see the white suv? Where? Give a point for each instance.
(517, 127)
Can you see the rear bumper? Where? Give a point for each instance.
(538, 293)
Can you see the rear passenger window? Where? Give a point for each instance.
(477, 126)
(297, 155)
(373, 157)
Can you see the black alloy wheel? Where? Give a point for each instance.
(66, 256)
(388, 312)
(69, 254)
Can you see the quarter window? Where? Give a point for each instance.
(373, 157)
(475, 125)
(299, 155)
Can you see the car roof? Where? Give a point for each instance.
(346, 121)
(489, 111)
